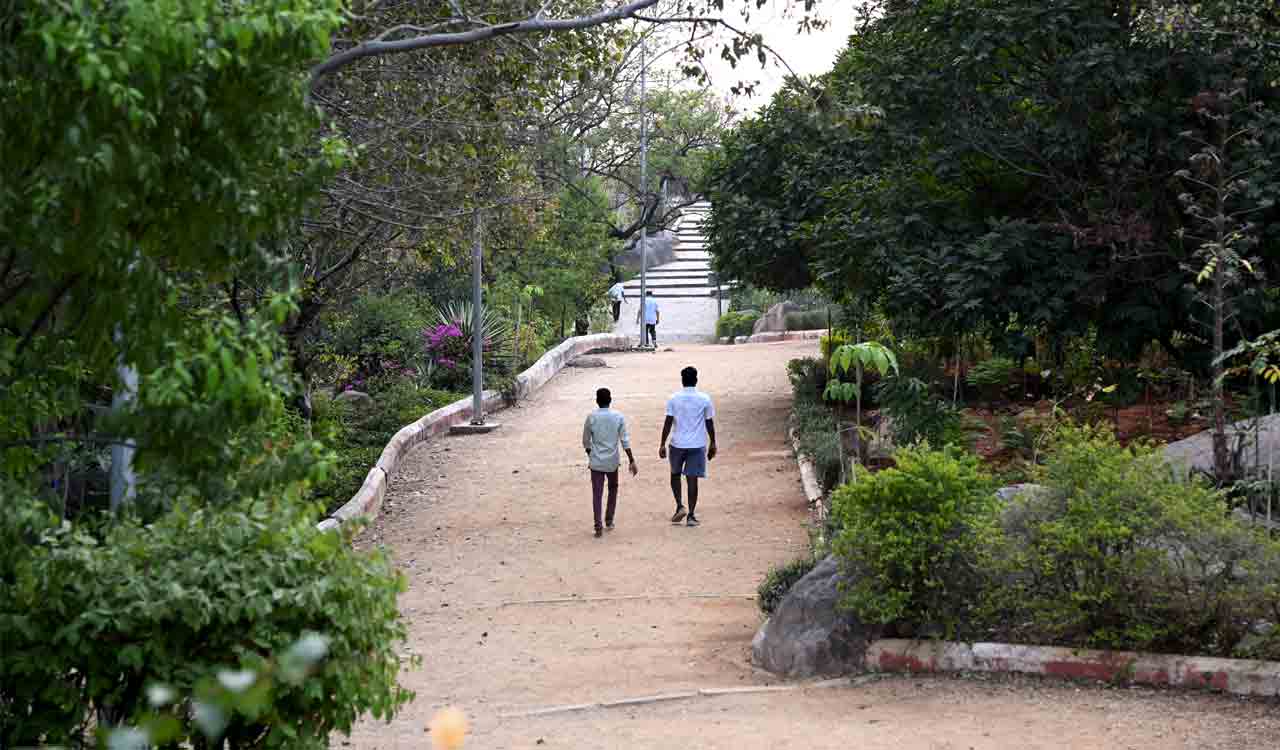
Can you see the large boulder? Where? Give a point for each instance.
(661, 250)
(808, 635)
(1196, 452)
(775, 320)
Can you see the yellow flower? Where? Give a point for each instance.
(448, 729)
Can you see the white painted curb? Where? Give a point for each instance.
(812, 489)
(367, 502)
(773, 337)
(1234, 676)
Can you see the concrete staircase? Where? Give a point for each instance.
(687, 301)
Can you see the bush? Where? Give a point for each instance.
(733, 324)
(358, 434)
(992, 375)
(808, 378)
(909, 538)
(807, 320)
(377, 334)
(830, 342)
(816, 430)
(918, 414)
(89, 623)
(779, 581)
(1120, 553)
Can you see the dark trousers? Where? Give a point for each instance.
(652, 328)
(597, 489)
(617, 310)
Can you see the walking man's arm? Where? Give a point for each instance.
(666, 432)
(625, 437)
(586, 436)
(711, 433)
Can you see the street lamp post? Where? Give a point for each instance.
(644, 203)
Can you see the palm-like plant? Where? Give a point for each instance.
(857, 357)
(496, 328)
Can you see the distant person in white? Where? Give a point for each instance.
(689, 410)
(617, 295)
(603, 431)
(651, 317)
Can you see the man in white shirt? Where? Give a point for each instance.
(690, 412)
(617, 295)
(651, 315)
(604, 429)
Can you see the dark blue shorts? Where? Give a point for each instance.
(692, 462)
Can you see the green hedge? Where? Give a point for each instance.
(91, 622)
(739, 323)
(779, 581)
(808, 320)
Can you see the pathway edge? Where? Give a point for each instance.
(367, 502)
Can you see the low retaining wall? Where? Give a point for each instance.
(368, 500)
(812, 489)
(1235, 676)
(773, 337)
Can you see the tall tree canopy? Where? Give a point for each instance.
(970, 163)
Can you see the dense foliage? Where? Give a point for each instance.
(969, 164)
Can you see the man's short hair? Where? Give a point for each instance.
(649, 293)
(603, 397)
(689, 376)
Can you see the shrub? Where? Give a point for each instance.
(992, 375)
(832, 341)
(377, 333)
(779, 581)
(1120, 553)
(173, 601)
(909, 537)
(733, 324)
(808, 378)
(807, 320)
(358, 434)
(918, 414)
(816, 430)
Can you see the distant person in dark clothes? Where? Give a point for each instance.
(603, 431)
(690, 412)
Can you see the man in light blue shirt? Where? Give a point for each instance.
(690, 412)
(603, 431)
(650, 311)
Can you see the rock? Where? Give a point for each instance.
(661, 250)
(355, 398)
(1196, 452)
(587, 362)
(808, 635)
(1008, 493)
(775, 319)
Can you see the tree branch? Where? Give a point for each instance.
(533, 24)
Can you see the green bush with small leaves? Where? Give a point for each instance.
(90, 619)
(910, 537)
(738, 323)
(807, 320)
(779, 581)
(1119, 552)
(918, 414)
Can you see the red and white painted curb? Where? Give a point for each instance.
(1234, 676)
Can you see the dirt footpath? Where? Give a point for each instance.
(514, 606)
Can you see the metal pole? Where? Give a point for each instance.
(477, 331)
(644, 203)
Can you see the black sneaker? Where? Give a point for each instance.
(692, 521)
(679, 516)
(599, 532)
(608, 527)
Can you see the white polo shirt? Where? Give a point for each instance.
(617, 292)
(691, 409)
